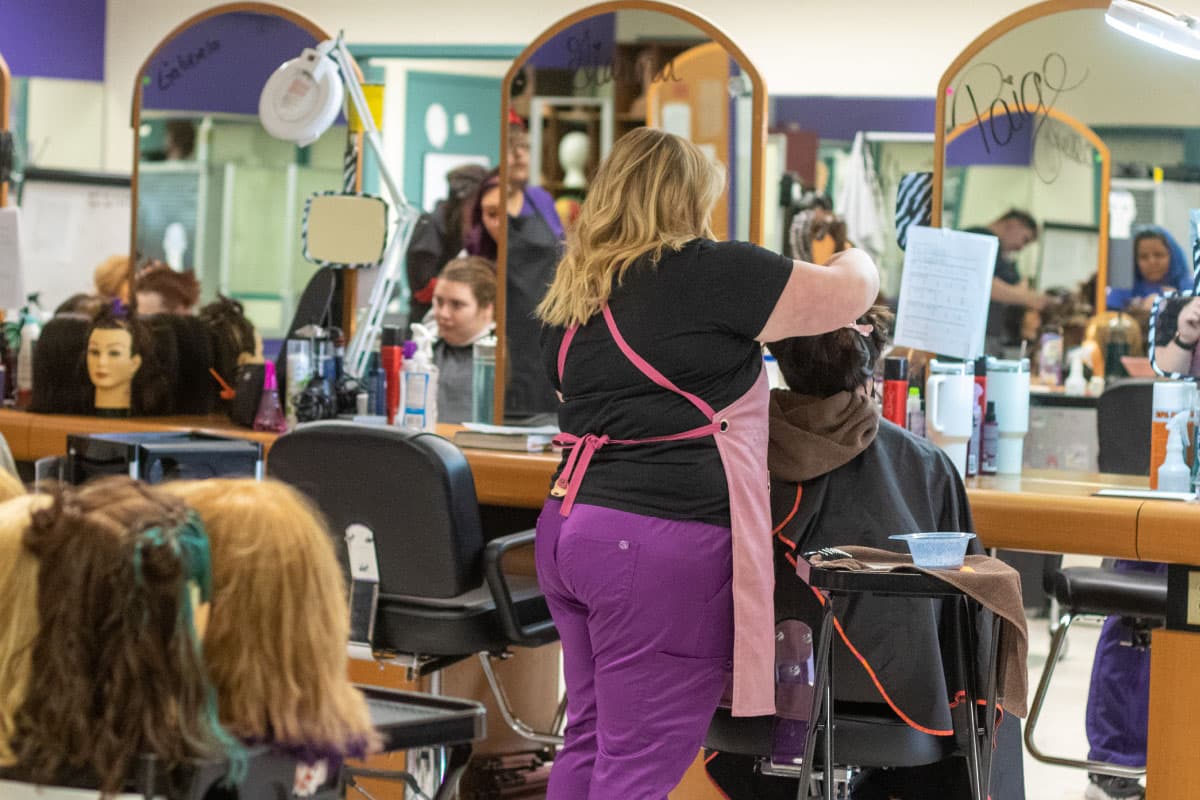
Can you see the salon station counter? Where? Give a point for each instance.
(1040, 510)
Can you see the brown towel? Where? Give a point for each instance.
(994, 584)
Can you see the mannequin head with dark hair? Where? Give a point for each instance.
(839, 361)
(121, 367)
(116, 670)
(235, 340)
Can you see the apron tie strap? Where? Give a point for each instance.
(571, 478)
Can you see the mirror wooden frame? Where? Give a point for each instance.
(758, 140)
(348, 277)
(940, 141)
(5, 93)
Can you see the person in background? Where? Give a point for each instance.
(1177, 333)
(841, 475)
(651, 335)
(1010, 297)
(1159, 265)
(181, 140)
(438, 237)
(162, 290)
(463, 305)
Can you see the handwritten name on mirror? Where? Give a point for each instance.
(982, 96)
(168, 73)
(592, 69)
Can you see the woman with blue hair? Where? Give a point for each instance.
(1159, 265)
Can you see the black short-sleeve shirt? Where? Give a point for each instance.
(693, 317)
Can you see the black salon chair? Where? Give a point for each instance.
(1123, 427)
(426, 591)
(1098, 591)
(870, 734)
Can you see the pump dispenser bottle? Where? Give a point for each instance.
(420, 376)
(1174, 474)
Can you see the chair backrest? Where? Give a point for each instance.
(1123, 427)
(414, 491)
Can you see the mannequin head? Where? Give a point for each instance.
(464, 299)
(276, 640)
(112, 278)
(120, 565)
(162, 290)
(573, 152)
(235, 340)
(18, 612)
(112, 363)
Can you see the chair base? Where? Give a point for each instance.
(521, 728)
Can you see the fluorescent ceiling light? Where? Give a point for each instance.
(1177, 33)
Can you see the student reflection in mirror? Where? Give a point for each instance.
(1010, 296)
(1159, 265)
(463, 303)
(1179, 332)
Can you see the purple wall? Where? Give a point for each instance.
(839, 118)
(997, 144)
(590, 42)
(221, 63)
(53, 38)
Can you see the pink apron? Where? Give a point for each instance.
(740, 431)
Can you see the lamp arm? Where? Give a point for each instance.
(358, 350)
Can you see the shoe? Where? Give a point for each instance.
(1107, 787)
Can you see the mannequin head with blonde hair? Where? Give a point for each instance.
(655, 191)
(18, 611)
(276, 639)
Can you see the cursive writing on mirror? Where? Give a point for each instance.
(171, 70)
(987, 89)
(592, 70)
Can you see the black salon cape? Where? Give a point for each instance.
(899, 484)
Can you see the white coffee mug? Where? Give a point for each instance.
(1008, 387)
(949, 408)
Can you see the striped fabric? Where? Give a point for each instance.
(914, 203)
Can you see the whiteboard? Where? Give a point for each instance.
(70, 222)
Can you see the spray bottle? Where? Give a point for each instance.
(420, 376)
(1076, 385)
(31, 330)
(1174, 475)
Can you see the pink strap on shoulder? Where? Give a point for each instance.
(562, 351)
(649, 371)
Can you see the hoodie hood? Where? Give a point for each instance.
(810, 436)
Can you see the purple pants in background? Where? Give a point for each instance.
(1118, 705)
(644, 608)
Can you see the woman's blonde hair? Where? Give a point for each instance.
(18, 613)
(276, 639)
(655, 191)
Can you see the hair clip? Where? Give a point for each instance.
(119, 308)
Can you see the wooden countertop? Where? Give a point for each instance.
(1045, 510)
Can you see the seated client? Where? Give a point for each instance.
(463, 302)
(841, 475)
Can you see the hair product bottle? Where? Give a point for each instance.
(895, 390)
(270, 414)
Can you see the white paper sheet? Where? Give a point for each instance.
(12, 287)
(944, 291)
(512, 430)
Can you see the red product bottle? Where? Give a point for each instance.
(391, 354)
(895, 390)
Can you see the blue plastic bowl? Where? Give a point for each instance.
(936, 550)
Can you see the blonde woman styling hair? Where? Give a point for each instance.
(652, 340)
(276, 639)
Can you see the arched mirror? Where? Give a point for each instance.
(213, 192)
(1053, 112)
(5, 139)
(587, 80)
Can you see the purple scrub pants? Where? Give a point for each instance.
(1119, 695)
(644, 608)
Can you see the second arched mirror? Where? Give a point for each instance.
(583, 83)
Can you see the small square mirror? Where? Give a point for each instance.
(345, 230)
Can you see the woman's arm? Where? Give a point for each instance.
(1172, 357)
(818, 299)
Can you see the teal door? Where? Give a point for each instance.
(449, 120)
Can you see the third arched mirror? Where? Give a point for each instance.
(583, 83)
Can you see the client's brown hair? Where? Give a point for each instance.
(839, 361)
(276, 640)
(116, 669)
(476, 272)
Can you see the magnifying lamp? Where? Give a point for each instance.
(298, 103)
(1178, 33)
